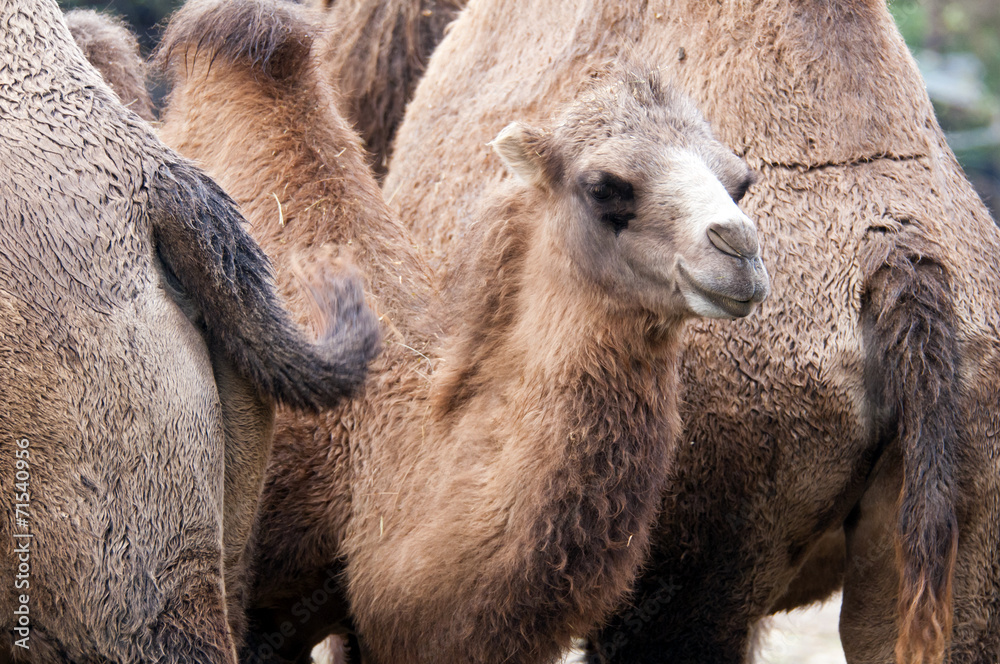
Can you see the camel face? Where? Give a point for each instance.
(717, 266)
(645, 202)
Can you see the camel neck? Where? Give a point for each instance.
(559, 442)
(605, 380)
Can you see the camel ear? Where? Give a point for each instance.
(521, 149)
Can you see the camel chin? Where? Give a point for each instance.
(730, 291)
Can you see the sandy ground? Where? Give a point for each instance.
(803, 636)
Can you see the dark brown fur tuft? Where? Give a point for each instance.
(111, 47)
(271, 39)
(376, 53)
(911, 371)
(201, 241)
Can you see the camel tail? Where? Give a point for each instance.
(912, 371)
(270, 37)
(225, 279)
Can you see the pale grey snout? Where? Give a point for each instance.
(738, 239)
(726, 277)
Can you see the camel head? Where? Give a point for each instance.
(641, 200)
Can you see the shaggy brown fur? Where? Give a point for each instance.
(375, 53)
(489, 514)
(880, 341)
(111, 47)
(141, 346)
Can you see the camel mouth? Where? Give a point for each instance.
(712, 303)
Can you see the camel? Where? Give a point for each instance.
(109, 45)
(502, 481)
(375, 53)
(864, 405)
(142, 349)
(255, 113)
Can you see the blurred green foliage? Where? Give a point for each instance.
(970, 26)
(957, 45)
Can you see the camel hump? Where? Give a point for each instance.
(912, 371)
(209, 257)
(113, 50)
(269, 36)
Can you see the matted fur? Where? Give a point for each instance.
(375, 53)
(858, 193)
(381, 495)
(143, 346)
(110, 46)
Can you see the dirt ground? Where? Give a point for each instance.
(803, 636)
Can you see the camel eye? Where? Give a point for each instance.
(611, 198)
(601, 192)
(605, 188)
(740, 190)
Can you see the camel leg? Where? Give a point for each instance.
(248, 422)
(976, 637)
(821, 575)
(868, 616)
(287, 631)
(691, 609)
(868, 621)
(193, 626)
(669, 619)
(722, 559)
(636, 634)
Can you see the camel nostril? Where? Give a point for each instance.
(735, 239)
